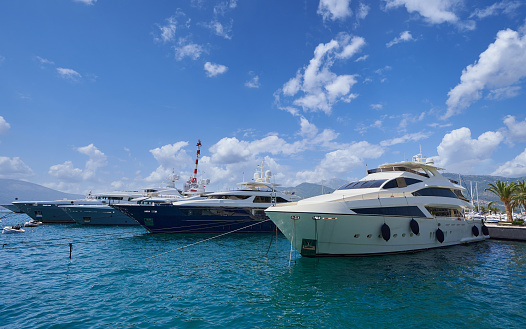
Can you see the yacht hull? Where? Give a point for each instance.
(98, 215)
(322, 234)
(194, 219)
(12, 207)
(45, 213)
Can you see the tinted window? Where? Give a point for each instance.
(262, 199)
(410, 211)
(363, 184)
(390, 184)
(396, 182)
(444, 212)
(433, 191)
(411, 181)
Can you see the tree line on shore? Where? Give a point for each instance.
(512, 194)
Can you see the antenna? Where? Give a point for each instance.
(194, 179)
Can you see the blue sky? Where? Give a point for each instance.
(109, 95)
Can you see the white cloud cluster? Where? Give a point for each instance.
(513, 168)
(66, 172)
(458, 152)
(414, 137)
(434, 11)
(87, 2)
(339, 162)
(213, 70)
(221, 29)
(4, 125)
(404, 37)
(253, 82)
(187, 49)
(516, 130)
(13, 168)
(168, 30)
(499, 69)
(317, 88)
(170, 157)
(506, 7)
(68, 74)
(334, 9)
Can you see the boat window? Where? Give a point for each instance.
(363, 184)
(460, 195)
(444, 212)
(280, 200)
(261, 199)
(435, 191)
(408, 211)
(229, 197)
(400, 182)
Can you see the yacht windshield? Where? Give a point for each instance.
(363, 184)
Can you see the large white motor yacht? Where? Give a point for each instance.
(396, 208)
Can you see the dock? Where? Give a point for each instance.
(507, 232)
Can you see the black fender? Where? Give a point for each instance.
(413, 224)
(440, 235)
(386, 232)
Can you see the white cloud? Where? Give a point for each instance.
(4, 126)
(499, 69)
(506, 7)
(415, 137)
(458, 152)
(363, 10)
(171, 157)
(318, 89)
(231, 150)
(96, 160)
(213, 70)
(253, 82)
(168, 30)
(434, 11)
(220, 29)
(67, 173)
(13, 168)
(187, 49)
(376, 107)
(339, 162)
(362, 58)
(334, 9)
(44, 61)
(404, 37)
(516, 130)
(68, 74)
(513, 168)
(87, 2)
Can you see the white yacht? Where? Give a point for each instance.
(240, 210)
(53, 211)
(104, 214)
(396, 208)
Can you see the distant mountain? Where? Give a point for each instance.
(12, 189)
(307, 190)
(479, 184)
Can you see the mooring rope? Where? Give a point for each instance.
(193, 244)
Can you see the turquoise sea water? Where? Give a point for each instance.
(114, 280)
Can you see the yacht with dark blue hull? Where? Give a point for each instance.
(241, 210)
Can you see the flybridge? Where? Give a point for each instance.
(396, 168)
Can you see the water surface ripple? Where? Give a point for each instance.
(237, 281)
